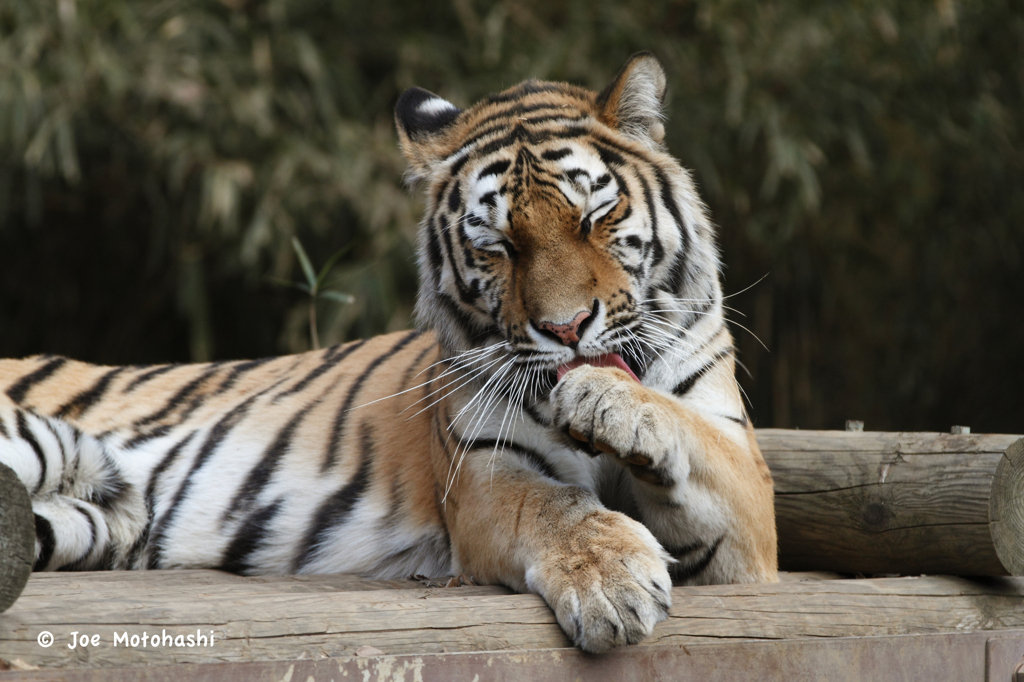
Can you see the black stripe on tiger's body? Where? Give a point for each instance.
(541, 429)
(259, 476)
(20, 389)
(331, 358)
(338, 430)
(238, 370)
(85, 513)
(46, 543)
(26, 435)
(685, 571)
(217, 434)
(250, 536)
(335, 511)
(86, 399)
(147, 375)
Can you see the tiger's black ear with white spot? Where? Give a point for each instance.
(632, 102)
(422, 119)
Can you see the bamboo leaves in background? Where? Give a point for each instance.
(158, 160)
(313, 286)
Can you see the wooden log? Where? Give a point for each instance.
(261, 625)
(898, 503)
(17, 537)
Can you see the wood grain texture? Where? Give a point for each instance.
(908, 658)
(1007, 509)
(17, 537)
(898, 503)
(202, 583)
(261, 625)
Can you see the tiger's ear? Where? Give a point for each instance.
(632, 102)
(422, 119)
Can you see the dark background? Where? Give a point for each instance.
(864, 162)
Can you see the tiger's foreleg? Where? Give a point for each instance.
(700, 486)
(602, 573)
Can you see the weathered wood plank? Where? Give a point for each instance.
(1003, 654)
(201, 582)
(912, 658)
(903, 503)
(204, 583)
(288, 625)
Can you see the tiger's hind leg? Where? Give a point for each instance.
(88, 515)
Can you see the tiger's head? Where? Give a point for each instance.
(558, 229)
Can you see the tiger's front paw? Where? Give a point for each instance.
(613, 414)
(607, 583)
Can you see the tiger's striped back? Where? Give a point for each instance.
(282, 441)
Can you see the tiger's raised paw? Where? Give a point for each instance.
(608, 585)
(604, 408)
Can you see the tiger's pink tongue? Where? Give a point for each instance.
(606, 360)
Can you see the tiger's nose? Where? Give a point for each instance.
(569, 332)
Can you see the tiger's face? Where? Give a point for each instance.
(553, 252)
(555, 221)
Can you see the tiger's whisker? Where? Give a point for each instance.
(478, 424)
(463, 354)
(451, 369)
(464, 381)
(496, 377)
(732, 322)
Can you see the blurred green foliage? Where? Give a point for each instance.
(158, 158)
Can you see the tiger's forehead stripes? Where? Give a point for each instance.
(523, 102)
(480, 132)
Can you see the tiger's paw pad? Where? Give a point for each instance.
(610, 588)
(604, 411)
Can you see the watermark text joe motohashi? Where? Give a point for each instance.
(133, 641)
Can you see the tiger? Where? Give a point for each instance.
(564, 419)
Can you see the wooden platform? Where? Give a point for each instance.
(335, 627)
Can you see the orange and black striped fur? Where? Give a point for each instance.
(566, 421)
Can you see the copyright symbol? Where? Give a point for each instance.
(45, 639)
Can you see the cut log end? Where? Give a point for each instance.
(17, 537)
(1006, 510)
